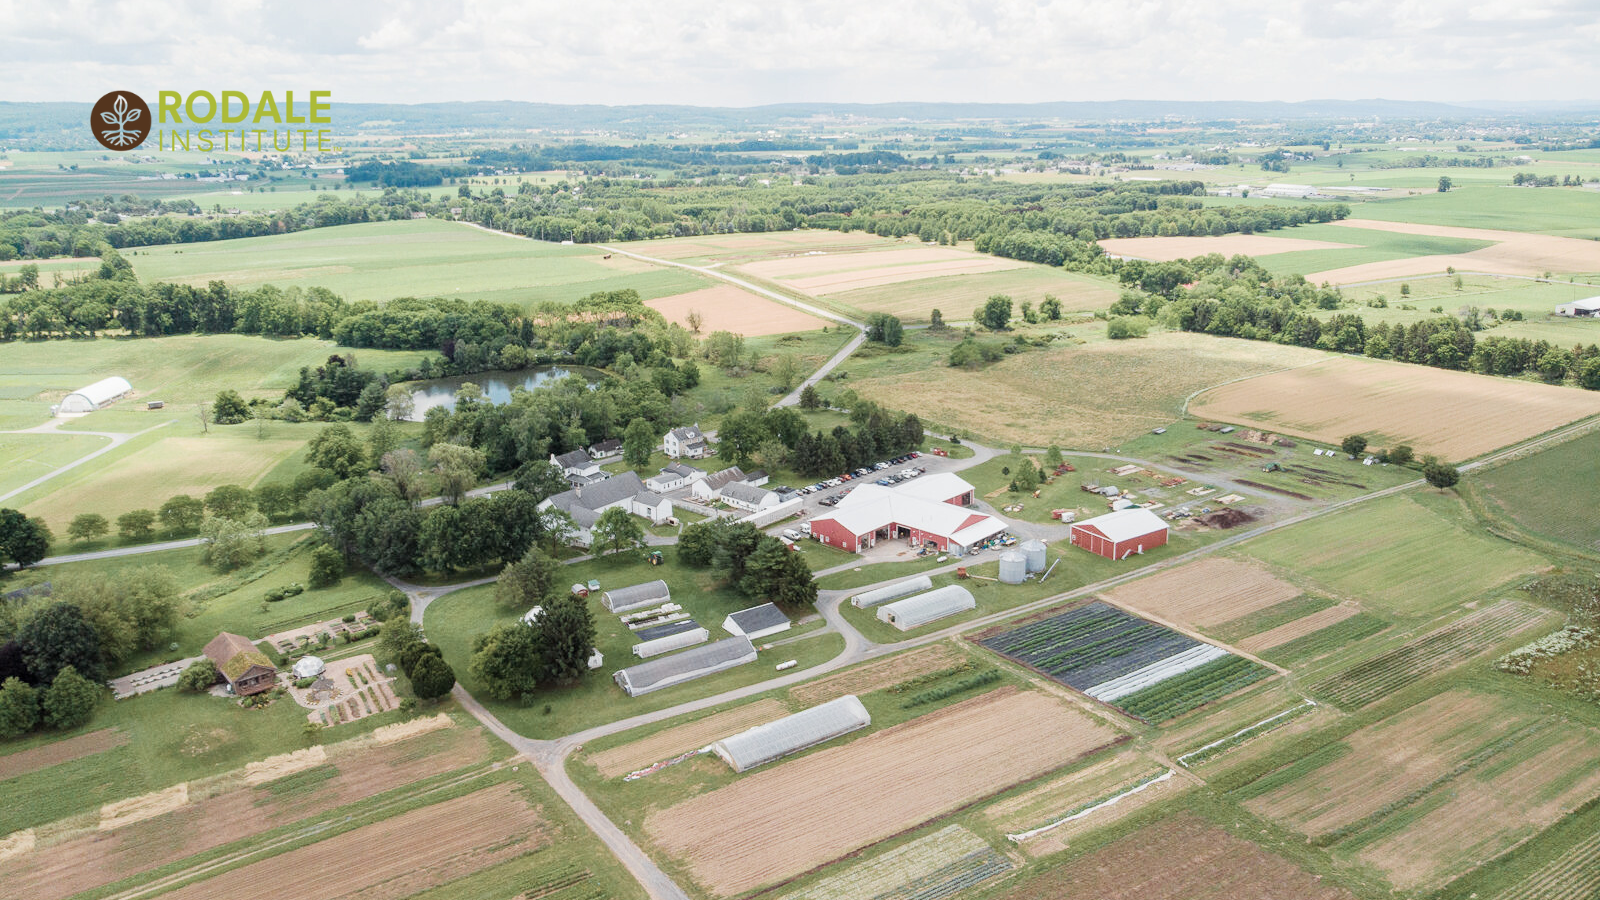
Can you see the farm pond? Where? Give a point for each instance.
(497, 386)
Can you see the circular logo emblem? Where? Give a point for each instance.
(120, 120)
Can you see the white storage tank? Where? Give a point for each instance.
(1013, 567)
(1034, 551)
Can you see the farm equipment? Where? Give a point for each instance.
(961, 572)
(940, 451)
(656, 558)
(1272, 467)
(1064, 468)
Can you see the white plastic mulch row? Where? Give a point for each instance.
(1155, 673)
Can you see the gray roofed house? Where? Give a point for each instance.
(706, 489)
(757, 621)
(606, 449)
(586, 501)
(685, 443)
(637, 596)
(674, 476)
(1580, 308)
(748, 496)
(577, 466)
(655, 674)
(757, 478)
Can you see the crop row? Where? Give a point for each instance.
(1574, 875)
(1062, 629)
(988, 676)
(974, 868)
(1438, 650)
(1090, 645)
(1197, 687)
(1335, 637)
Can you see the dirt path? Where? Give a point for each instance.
(117, 438)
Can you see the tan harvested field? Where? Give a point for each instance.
(731, 247)
(79, 861)
(1163, 249)
(1060, 796)
(956, 296)
(665, 744)
(385, 860)
(878, 675)
(283, 765)
(25, 761)
(1092, 396)
(786, 820)
(867, 259)
(839, 282)
(1208, 592)
(1288, 631)
(1182, 857)
(1513, 253)
(1453, 415)
(145, 806)
(729, 308)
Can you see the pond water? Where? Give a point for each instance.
(497, 386)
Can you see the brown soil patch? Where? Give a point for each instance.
(878, 675)
(1179, 858)
(1164, 249)
(1208, 592)
(385, 860)
(1513, 253)
(693, 735)
(16, 844)
(1299, 628)
(54, 754)
(1454, 415)
(729, 308)
(146, 806)
(786, 820)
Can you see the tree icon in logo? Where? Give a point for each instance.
(120, 120)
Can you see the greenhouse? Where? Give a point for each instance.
(667, 638)
(892, 592)
(914, 612)
(655, 674)
(791, 734)
(636, 596)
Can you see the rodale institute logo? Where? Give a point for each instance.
(120, 121)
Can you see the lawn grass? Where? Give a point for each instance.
(454, 621)
(1412, 555)
(24, 457)
(1562, 212)
(384, 260)
(1552, 492)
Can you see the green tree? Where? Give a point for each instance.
(786, 369)
(19, 708)
(457, 469)
(776, 573)
(327, 567)
(275, 500)
(936, 321)
(70, 699)
(1050, 308)
(432, 678)
(232, 543)
(530, 581)
(1401, 454)
(182, 514)
(399, 403)
(230, 501)
(1439, 474)
(382, 437)
(88, 526)
(229, 408)
(1353, 444)
(1027, 477)
(1554, 364)
(137, 525)
(566, 638)
(337, 449)
(1445, 184)
(638, 442)
(1123, 327)
(741, 435)
(506, 661)
(1052, 458)
(618, 530)
(995, 313)
(23, 540)
(372, 401)
(199, 676)
(809, 398)
(1589, 374)
(58, 637)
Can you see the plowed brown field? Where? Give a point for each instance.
(728, 308)
(784, 821)
(1208, 592)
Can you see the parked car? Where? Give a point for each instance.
(881, 465)
(863, 471)
(792, 535)
(805, 527)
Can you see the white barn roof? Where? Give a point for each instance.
(667, 671)
(1125, 524)
(938, 487)
(791, 734)
(914, 612)
(873, 506)
(91, 398)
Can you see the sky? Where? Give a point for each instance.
(739, 53)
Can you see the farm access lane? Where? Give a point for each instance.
(117, 438)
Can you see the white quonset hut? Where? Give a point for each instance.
(757, 621)
(914, 612)
(99, 395)
(661, 639)
(791, 734)
(655, 674)
(636, 596)
(892, 592)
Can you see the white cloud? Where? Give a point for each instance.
(741, 53)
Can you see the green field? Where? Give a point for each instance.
(24, 457)
(384, 260)
(1535, 300)
(1410, 555)
(454, 621)
(1552, 492)
(1373, 246)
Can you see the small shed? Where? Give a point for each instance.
(636, 596)
(246, 669)
(791, 734)
(914, 612)
(757, 621)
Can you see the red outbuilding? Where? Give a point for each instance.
(1120, 534)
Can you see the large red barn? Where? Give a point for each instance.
(1120, 534)
(932, 512)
